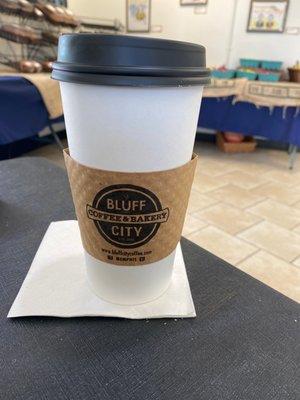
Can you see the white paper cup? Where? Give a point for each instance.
(130, 129)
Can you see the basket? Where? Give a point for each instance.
(272, 65)
(227, 74)
(270, 77)
(246, 74)
(247, 146)
(249, 63)
(294, 75)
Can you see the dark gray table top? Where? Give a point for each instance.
(242, 345)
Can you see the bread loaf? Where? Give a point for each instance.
(29, 10)
(10, 6)
(50, 37)
(29, 66)
(22, 34)
(47, 66)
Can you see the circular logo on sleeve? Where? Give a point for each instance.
(127, 216)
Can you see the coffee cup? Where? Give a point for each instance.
(131, 105)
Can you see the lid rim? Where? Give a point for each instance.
(129, 80)
(135, 70)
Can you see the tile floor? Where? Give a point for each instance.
(245, 208)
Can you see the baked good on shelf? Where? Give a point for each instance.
(51, 13)
(37, 66)
(70, 18)
(47, 66)
(50, 37)
(29, 10)
(28, 66)
(20, 34)
(10, 6)
(20, 7)
(38, 13)
(25, 66)
(58, 15)
(60, 11)
(26, 8)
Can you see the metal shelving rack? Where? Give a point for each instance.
(14, 48)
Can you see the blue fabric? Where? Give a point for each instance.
(23, 114)
(22, 110)
(246, 118)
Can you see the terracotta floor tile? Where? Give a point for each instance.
(230, 219)
(278, 213)
(274, 272)
(205, 183)
(236, 196)
(220, 243)
(243, 179)
(276, 191)
(199, 201)
(279, 241)
(192, 224)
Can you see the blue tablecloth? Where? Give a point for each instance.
(23, 114)
(279, 125)
(22, 110)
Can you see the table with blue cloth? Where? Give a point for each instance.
(268, 110)
(278, 125)
(23, 113)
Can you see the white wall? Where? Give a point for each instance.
(212, 29)
(270, 46)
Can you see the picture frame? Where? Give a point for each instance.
(193, 2)
(267, 16)
(138, 15)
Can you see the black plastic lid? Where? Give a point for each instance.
(129, 61)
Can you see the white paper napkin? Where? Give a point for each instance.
(56, 284)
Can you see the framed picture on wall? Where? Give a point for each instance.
(267, 16)
(193, 2)
(138, 15)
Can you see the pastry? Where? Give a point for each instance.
(37, 66)
(51, 13)
(25, 66)
(50, 37)
(58, 15)
(29, 10)
(70, 18)
(21, 34)
(38, 13)
(26, 9)
(47, 66)
(10, 6)
(29, 66)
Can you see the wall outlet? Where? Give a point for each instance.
(200, 10)
(156, 28)
(292, 30)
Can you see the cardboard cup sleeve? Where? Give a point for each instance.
(133, 218)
